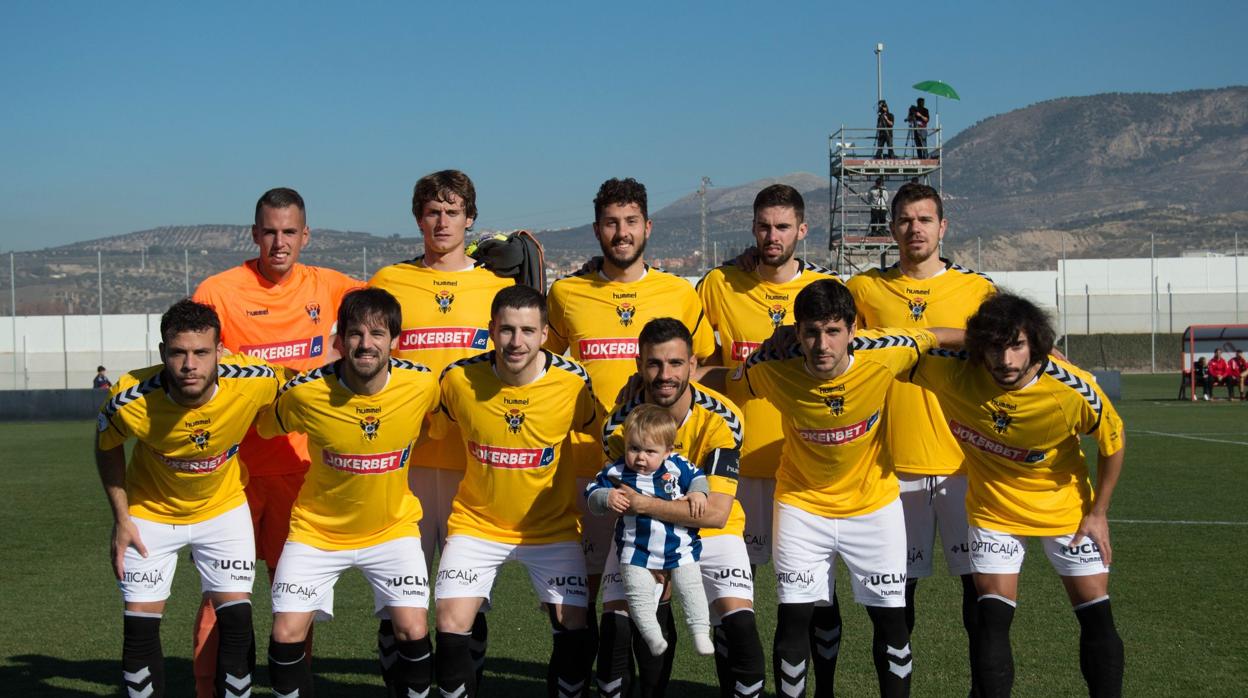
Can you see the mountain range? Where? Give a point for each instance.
(1109, 175)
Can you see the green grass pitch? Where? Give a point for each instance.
(1177, 582)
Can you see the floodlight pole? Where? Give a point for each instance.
(879, 74)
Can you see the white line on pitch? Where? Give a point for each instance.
(1179, 523)
(1191, 437)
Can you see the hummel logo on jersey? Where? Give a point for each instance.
(369, 425)
(314, 311)
(776, 313)
(515, 419)
(626, 311)
(1001, 421)
(200, 437)
(917, 306)
(280, 351)
(836, 404)
(443, 338)
(255, 313)
(444, 299)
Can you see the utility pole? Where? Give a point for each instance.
(706, 184)
(879, 74)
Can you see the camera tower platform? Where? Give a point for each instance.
(853, 243)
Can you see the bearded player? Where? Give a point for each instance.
(274, 308)
(445, 296)
(515, 407)
(361, 414)
(1018, 413)
(183, 486)
(595, 316)
(745, 302)
(836, 494)
(924, 290)
(710, 436)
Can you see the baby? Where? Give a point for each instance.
(651, 550)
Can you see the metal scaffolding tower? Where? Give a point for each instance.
(853, 243)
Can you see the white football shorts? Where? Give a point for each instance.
(928, 502)
(469, 566)
(873, 546)
(994, 552)
(306, 576)
(758, 497)
(223, 549)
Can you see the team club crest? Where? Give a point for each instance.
(917, 307)
(369, 425)
(627, 313)
(514, 419)
(1001, 421)
(836, 405)
(776, 313)
(444, 299)
(200, 437)
(314, 311)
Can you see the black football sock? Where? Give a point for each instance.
(412, 671)
(289, 670)
(453, 665)
(142, 660)
(615, 655)
(890, 647)
(386, 648)
(994, 670)
(825, 645)
(480, 641)
(570, 658)
(912, 586)
(236, 653)
(1100, 649)
(790, 650)
(970, 599)
(747, 667)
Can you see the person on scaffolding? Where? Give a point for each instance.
(884, 121)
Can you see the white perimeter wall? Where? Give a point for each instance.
(1100, 296)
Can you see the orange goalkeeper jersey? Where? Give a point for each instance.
(290, 324)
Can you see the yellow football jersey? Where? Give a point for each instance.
(597, 321)
(516, 489)
(709, 437)
(446, 317)
(833, 461)
(914, 428)
(1026, 472)
(744, 310)
(355, 493)
(185, 468)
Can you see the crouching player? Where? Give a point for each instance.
(515, 406)
(184, 486)
(1018, 414)
(361, 414)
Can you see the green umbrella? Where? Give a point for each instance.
(938, 88)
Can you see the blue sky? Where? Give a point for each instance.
(117, 117)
